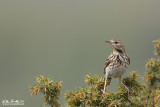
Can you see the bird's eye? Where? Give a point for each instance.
(116, 42)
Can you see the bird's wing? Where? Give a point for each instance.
(108, 61)
(128, 60)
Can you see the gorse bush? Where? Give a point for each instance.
(146, 94)
(50, 90)
(92, 94)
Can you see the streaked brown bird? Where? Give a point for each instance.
(116, 64)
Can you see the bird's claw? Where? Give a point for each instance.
(128, 91)
(103, 93)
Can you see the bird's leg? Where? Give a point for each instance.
(104, 86)
(124, 85)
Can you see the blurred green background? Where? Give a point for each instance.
(64, 39)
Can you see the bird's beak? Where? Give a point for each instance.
(108, 41)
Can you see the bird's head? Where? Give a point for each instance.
(117, 46)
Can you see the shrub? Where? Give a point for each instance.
(51, 90)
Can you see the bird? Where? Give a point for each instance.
(116, 63)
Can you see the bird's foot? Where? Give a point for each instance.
(103, 93)
(127, 91)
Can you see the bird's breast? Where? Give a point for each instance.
(115, 71)
(117, 66)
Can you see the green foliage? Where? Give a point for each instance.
(87, 96)
(92, 94)
(153, 73)
(157, 47)
(50, 90)
(152, 77)
(150, 96)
